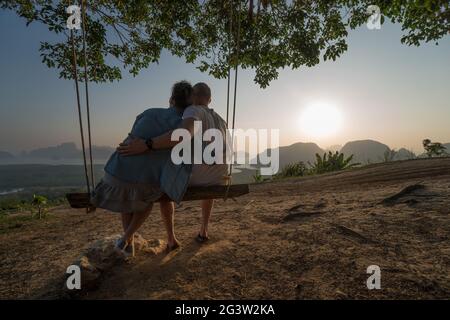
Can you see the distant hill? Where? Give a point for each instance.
(299, 152)
(365, 151)
(67, 151)
(6, 155)
(63, 151)
(404, 154)
(447, 147)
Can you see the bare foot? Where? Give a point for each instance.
(202, 238)
(172, 246)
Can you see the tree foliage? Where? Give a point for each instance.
(433, 148)
(274, 34)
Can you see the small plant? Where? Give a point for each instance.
(257, 177)
(298, 169)
(332, 162)
(433, 148)
(40, 203)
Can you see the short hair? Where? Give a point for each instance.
(203, 90)
(181, 94)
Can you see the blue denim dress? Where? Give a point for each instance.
(133, 183)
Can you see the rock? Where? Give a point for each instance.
(100, 257)
(90, 275)
(155, 246)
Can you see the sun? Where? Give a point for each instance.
(320, 120)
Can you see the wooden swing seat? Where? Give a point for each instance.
(82, 200)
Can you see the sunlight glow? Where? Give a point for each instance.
(320, 120)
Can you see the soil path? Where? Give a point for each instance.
(302, 238)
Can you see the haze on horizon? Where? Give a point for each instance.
(380, 89)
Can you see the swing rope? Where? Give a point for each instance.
(89, 180)
(229, 61)
(80, 118)
(86, 85)
(236, 69)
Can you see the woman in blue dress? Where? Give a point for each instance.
(131, 185)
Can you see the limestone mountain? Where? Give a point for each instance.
(404, 154)
(297, 152)
(365, 151)
(4, 155)
(67, 151)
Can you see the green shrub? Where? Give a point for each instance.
(40, 203)
(257, 177)
(298, 169)
(8, 205)
(332, 162)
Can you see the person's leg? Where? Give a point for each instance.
(167, 215)
(137, 220)
(122, 244)
(206, 213)
(126, 220)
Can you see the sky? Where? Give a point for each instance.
(379, 89)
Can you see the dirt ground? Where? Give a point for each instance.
(302, 238)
